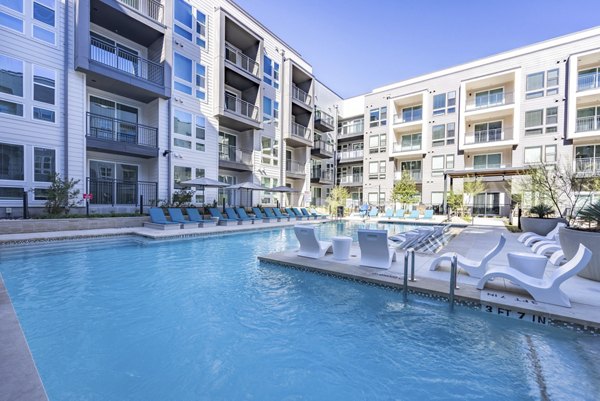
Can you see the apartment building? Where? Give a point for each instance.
(133, 97)
(489, 118)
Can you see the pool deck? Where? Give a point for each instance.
(499, 297)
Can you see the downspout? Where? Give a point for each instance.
(282, 153)
(66, 91)
(169, 152)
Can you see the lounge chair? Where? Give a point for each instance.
(244, 216)
(475, 268)
(414, 214)
(214, 212)
(539, 244)
(195, 216)
(412, 238)
(280, 215)
(374, 249)
(291, 214)
(178, 217)
(399, 214)
(266, 219)
(300, 215)
(232, 215)
(529, 238)
(272, 215)
(306, 214)
(374, 212)
(317, 214)
(428, 215)
(389, 213)
(159, 220)
(547, 289)
(310, 246)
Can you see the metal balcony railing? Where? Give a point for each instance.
(586, 81)
(487, 136)
(399, 147)
(484, 101)
(587, 165)
(323, 146)
(129, 63)
(351, 179)
(233, 154)
(408, 117)
(300, 95)
(112, 129)
(351, 129)
(591, 123)
(241, 107)
(301, 131)
(121, 192)
(325, 118)
(292, 166)
(351, 154)
(152, 9)
(415, 175)
(241, 60)
(322, 174)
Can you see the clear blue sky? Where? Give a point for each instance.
(356, 46)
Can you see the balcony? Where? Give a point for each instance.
(415, 175)
(323, 121)
(585, 124)
(242, 61)
(299, 135)
(141, 21)
(295, 170)
(351, 130)
(110, 135)
(488, 136)
(300, 95)
(240, 114)
(322, 150)
(488, 100)
(351, 180)
(409, 117)
(587, 81)
(120, 192)
(321, 176)
(150, 8)
(587, 166)
(403, 147)
(233, 158)
(347, 156)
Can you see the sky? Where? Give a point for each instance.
(356, 46)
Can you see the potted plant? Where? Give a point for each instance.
(540, 222)
(586, 232)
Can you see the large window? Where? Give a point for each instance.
(12, 162)
(377, 170)
(440, 163)
(200, 81)
(185, 22)
(270, 72)
(487, 161)
(183, 73)
(410, 142)
(378, 117)
(444, 103)
(587, 159)
(11, 14)
(11, 85)
(44, 164)
(182, 125)
(588, 119)
(536, 83)
(44, 20)
(443, 134)
(414, 113)
(270, 151)
(268, 197)
(540, 154)
(377, 143)
(180, 174)
(488, 98)
(536, 124)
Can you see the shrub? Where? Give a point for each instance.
(542, 210)
(591, 213)
(62, 195)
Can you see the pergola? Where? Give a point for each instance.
(471, 173)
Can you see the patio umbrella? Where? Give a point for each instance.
(249, 186)
(204, 182)
(283, 189)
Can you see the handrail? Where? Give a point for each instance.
(323, 146)
(488, 135)
(414, 116)
(300, 95)
(453, 278)
(301, 131)
(112, 129)
(351, 154)
(122, 192)
(587, 165)
(489, 100)
(415, 174)
(324, 117)
(397, 147)
(405, 278)
(150, 8)
(295, 167)
(587, 81)
(125, 61)
(241, 107)
(590, 123)
(322, 174)
(351, 179)
(241, 60)
(232, 153)
(351, 129)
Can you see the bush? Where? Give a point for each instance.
(591, 213)
(62, 195)
(542, 210)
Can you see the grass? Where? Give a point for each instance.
(511, 228)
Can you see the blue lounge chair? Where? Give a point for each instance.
(231, 214)
(299, 214)
(271, 214)
(373, 212)
(292, 214)
(265, 218)
(306, 214)
(159, 220)
(414, 215)
(178, 217)
(317, 214)
(389, 213)
(399, 214)
(214, 212)
(244, 216)
(428, 215)
(196, 217)
(283, 216)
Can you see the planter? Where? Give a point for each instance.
(42, 225)
(570, 240)
(540, 226)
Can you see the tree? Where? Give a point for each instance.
(405, 190)
(472, 188)
(337, 197)
(62, 195)
(455, 202)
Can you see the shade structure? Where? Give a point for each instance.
(248, 186)
(283, 189)
(205, 182)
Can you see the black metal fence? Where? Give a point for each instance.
(119, 192)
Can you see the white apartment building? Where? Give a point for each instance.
(132, 97)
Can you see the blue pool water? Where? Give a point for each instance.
(201, 319)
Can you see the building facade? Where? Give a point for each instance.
(133, 97)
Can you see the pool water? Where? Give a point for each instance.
(201, 319)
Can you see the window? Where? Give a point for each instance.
(44, 81)
(439, 104)
(12, 108)
(16, 5)
(378, 117)
(587, 79)
(11, 162)
(535, 85)
(200, 81)
(552, 82)
(534, 121)
(200, 128)
(451, 102)
(533, 155)
(200, 147)
(441, 163)
(10, 193)
(44, 161)
(449, 162)
(270, 151)
(443, 134)
(488, 132)
(412, 168)
(276, 112)
(11, 76)
(270, 72)
(201, 29)
(550, 155)
(183, 19)
(44, 20)
(373, 170)
(268, 197)
(200, 172)
(487, 161)
(410, 142)
(377, 143)
(489, 98)
(588, 119)
(182, 143)
(44, 115)
(182, 123)
(414, 113)
(13, 17)
(181, 174)
(267, 108)
(587, 159)
(183, 71)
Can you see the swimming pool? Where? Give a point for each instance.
(201, 319)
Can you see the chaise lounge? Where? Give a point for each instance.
(374, 249)
(178, 217)
(159, 220)
(222, 221)
(196, 217)
(310, 246)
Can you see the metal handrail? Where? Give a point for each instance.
(415, 175)
(241, 107)
(112, 129)
(587, 81)
(590, 123)
(324, 146)
(322, 174)
(488, 135)
(301, 131)
(490, 100)
(324, 117)
(351, 154)
(351, 129)
(295, 167)
(397, 147)
(300, 95)
(232, 153)
(122, 192)
(414, 116)
(351, 179)
(453, 280)
(587, 165)
(241, 60)
(127, 62)
(150, 8)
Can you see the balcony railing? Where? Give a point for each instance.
(152, 9)
(241, 60)
(415, 175)
(489, 100)
(323, 146)
(322, 174)
(121, 192)
(587, 81)
(351, 179)
(324, 118)
(294, 167)
(399, 147)
(241, 107)
(587, 165)
(301, 131)
(234, 154)
(591, 123)
(351, 154)
(129, 63)
(408, 117)
(351, 129)
(112, 129)
(300, 95)
(487, 136)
